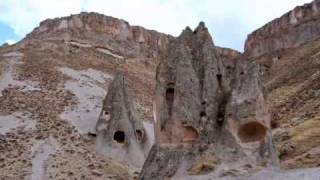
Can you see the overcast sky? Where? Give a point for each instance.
(229, 21)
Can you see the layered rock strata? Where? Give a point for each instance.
(115, 35)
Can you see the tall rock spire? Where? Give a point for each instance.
(207, 109)
(120, 130)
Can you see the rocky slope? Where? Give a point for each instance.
(293, 83)
(288, 52)
(52, 86)
(297, 27)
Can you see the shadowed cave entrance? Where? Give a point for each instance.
(119, 137)
(139, 135)
(170, 97)
(251, 132)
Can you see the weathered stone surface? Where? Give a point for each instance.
(292, 83)
(291, 62)
(227, 53)
(206, 105)
(203, 164)
(294, 28)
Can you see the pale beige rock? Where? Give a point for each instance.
(120, 131)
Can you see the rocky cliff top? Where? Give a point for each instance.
(99, 23)
(290, 30)
(227, 52)
(104, 32)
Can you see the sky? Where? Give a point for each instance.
(229, 21)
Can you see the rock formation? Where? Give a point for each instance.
(288, 51)
(227, 53)
(207, 109)
(120, 131)
(212, 121)
(106, 32)
(294, 28)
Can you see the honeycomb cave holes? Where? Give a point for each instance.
(251, 132)
(170, 97)
(119, 137)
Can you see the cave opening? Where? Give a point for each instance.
(220, 117)
(170, 97)
(219, 78)
(222, 109)
(139, 134)
(203, 114)
(190, 134)
(251, 132)
(119, 137)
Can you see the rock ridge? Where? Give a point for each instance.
(294, 28)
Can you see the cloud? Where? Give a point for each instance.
(24, 15)
(228, 21)
(10, 41)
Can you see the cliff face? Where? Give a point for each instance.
(288, 51)
(296, 27)
(105, 32)
(293, 82)
(227, 53)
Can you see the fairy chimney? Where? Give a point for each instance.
(206, 107)
(120, 130)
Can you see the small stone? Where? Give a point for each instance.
(96, 173)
